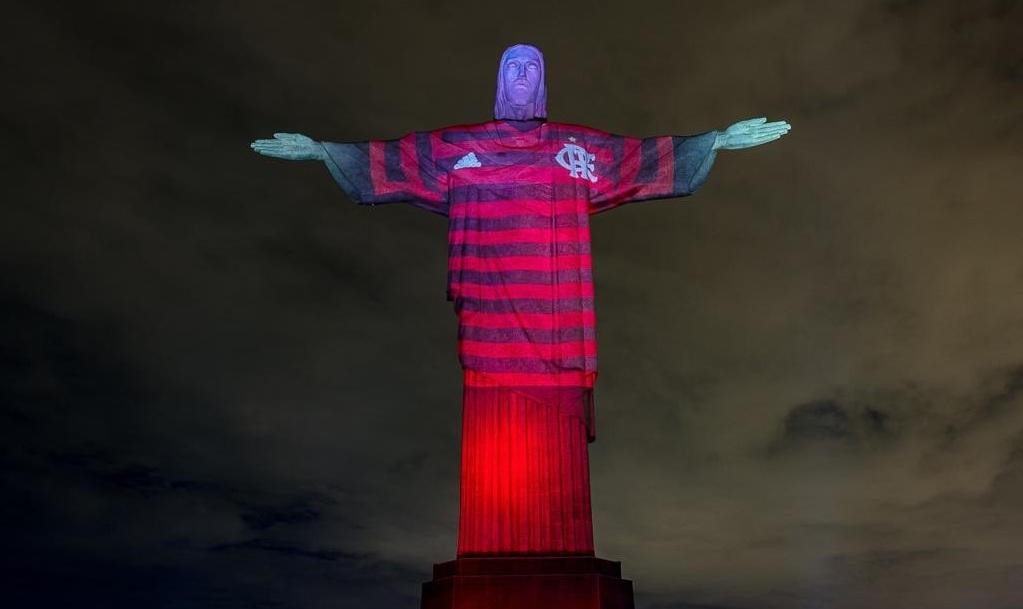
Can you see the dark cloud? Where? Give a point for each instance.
(827, 423)
(824, 420)
(223, 385)
(266, 545)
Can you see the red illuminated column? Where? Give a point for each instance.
(525, 481)
(525, 536)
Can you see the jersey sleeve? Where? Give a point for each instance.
(638, 169)
(389, 171)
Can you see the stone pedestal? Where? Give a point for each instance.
(528, 582)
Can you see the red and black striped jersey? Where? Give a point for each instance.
(518, 204)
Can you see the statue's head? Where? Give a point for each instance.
(521, 93)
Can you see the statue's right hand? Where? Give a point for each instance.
(291, 146)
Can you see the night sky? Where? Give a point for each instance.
(225, 385)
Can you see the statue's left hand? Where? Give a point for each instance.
(751, 132)
(291, 146)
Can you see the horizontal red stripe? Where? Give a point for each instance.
(573, 378)
(530, 350)
(520, 235)
(528, 320)
(560, 262)
(552, 174)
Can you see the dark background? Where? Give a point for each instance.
(225, 385)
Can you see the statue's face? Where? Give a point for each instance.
(521, 73)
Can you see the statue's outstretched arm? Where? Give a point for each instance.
(291, 146)
(371, 172)
(671, 166)
(750, 132)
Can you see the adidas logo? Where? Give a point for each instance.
(468, 160)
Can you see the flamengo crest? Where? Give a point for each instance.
(577, 161)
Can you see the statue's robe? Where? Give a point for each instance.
(518, 197)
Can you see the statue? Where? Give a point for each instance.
(518, 192)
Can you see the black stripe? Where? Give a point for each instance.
(424, 158)
(523, 364)
(614, 172)
(679, 181)
(499, 250)
(392, 161)
(526, 335)
(520, 276)
(488, 193)
(499, 159)
(648, 161)
(526, 305)
(456, 136)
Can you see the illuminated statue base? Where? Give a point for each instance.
(528, 582)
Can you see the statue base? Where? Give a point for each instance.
(528, 582)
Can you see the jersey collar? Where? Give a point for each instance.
(511, 135)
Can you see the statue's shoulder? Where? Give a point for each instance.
(576, 128)
(466, 128)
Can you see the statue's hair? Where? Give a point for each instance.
(502, 106)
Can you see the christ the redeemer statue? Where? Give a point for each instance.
(518, 192)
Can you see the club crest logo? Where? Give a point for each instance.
(576, 160)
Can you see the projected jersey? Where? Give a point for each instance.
(518, 202)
